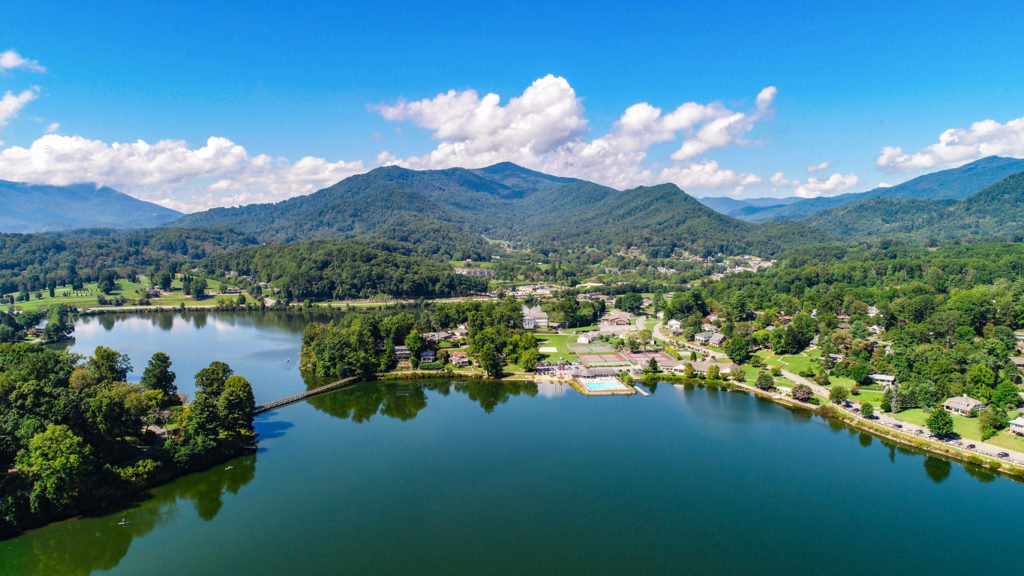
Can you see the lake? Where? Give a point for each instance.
(481, 477)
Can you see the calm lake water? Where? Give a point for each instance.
(484, 478)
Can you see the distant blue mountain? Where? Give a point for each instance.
(952, 184)
(32, 208)
(736, 207)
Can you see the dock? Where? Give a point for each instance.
(641, 390)
(262, 408)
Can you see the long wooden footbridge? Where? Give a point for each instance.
(352, 380)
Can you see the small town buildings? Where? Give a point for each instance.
(534, 318)
(402, 353)
(962, 405)
(885, 380)
(616, 317)
(1017, 425)
(701, 367)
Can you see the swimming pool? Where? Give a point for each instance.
(604, 385)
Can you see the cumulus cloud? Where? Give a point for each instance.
(958, 146)
(11, 103)
(818, 168)
(169, 172)
(11, 60)
(834, 184)
(545, 129)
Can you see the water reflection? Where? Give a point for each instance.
(83, 545)
(403, 400)
(937, 468)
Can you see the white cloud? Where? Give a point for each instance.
(169, 172)
(834, 184)
(10, 60)
(53, 127)
(818, 168)
(11, 103)
(545, 129)
(958, 146)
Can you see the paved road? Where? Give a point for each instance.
(661, 335)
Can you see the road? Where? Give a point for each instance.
(661, 335)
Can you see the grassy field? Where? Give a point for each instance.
(560, 341)
(126, 288)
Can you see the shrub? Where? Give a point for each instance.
(802, 392)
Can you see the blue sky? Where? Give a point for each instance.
(202, 104)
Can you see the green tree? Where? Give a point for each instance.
(992, 420)
(631, 302)
(1006, 396)
(236, 404)
(765, 381)
(210, 380)
(489, 358)
(652, 366)
(414, 342)
(867, 410)
(714, 372)
(838, 394)
(528, 359)
(107, 365)
(56, 462)
(940, 423)
(738, 349)
(158, 375)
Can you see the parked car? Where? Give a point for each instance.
(971, 446)
(1003, 454)
(900, 426)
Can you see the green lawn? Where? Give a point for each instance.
(872, 396)
(798, 364)
(85, 297)
(968, 428)
(560, 341)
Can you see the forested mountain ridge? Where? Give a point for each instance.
(994, 213)
(30, 208)
(952, 184)
(506, 202)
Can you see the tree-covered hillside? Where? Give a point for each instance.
(994, 213)
(41, 208)
(506, 202)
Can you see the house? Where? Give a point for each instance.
(872, 311)
(1017, 425)
(875, 329)
(717, 340)
(588, 337)
(460, 331)
(711, 317)
(703, 337)
(460, 359)
(616, 318)
(674, 325)
(962, 405)
(402, 353)
(436, 336)
(427, 356)
(1018, 361)
(885, 380)
(534, 318)
(708, 328)
(701, 367)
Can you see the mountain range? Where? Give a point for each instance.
(952, 184)
(507, 202)
(32, 208)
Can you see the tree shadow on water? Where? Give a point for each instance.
(87, 544)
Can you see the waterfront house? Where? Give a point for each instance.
(1017, 425)
(962, 405)
(459, 359)
(402, 353)
(427, 356)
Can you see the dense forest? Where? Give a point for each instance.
(336, 270)
(77, 436)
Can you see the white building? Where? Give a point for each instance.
(534, 318)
